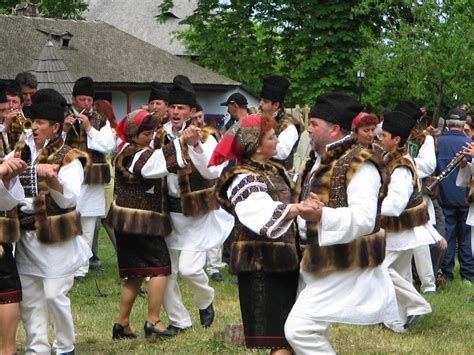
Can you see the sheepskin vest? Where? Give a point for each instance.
(98, 172)
(141, 206)
(252, 251)
(416, 211)
(197, 193)
(330, 182)
(51, 222)
(416, 140)
(283, 121)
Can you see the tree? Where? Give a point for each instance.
(63, 9)
(426, 56)
(312, 42)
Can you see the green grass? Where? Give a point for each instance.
(448, 330)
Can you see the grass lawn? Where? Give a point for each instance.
(448, 330)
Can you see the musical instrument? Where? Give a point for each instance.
(75, 119)
(21, 123)
(453, 164)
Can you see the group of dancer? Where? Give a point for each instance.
(322, 222)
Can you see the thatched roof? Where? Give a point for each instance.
(138, 18)
(52, 73)
(96, 49)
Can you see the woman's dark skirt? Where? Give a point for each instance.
(142, 256)
(265, 302)
(10, 285)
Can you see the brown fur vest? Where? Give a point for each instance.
(330, 182)
(52, 223)
(285, 120)
(416, 212)
(197, 194)
(257, 252)
(141, 206)
(98, 171)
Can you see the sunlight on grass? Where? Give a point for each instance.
(448, 330)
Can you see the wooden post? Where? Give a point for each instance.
(234, 334)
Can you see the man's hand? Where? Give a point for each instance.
(12, 167)
(68, 122)
(84, 121)
(443, 244)
(47, 171)
(311, 209)
(192, 135)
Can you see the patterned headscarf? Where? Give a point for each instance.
(130, 124)
(240, 141)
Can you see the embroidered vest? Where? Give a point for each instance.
(252, 251)
(283, 121)
(197, 194)
(416, 211)
(330, 182)
(98, 172)
(51, 222)
(141, 206)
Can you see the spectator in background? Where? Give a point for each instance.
(28, 86)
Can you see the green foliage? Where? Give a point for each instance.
(426, 55)
(313, 43)
(63, 9)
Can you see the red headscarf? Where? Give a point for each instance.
(364, 119)
(128, 127)
(241, 140)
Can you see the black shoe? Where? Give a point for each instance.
(471, 299)
(72, 352)
(410, 320)
(175, 330)
(80, 279)
(150, 330)
(118, 332)
(95, 263)
(217, 277)
(207, 316)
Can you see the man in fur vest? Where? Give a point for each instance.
(272, 97)
(87, 130)
(49, 251)
(199, 224)
(341, 276)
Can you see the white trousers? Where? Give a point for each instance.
(190, 265)
(88, 229)
(308, 336)
(41, 296)
(424, 268)
(214, 260)
(409, 301)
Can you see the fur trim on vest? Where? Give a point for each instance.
(197, 194)
(416, 212)
(337, 168)
(97, 171)
(52, 223)
(252, 251)
(9, 226)
(135, 210)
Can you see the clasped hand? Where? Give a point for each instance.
(47, 171)
(311, 209)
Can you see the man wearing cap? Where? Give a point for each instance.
(49, 250)
(158, 102)
(87, 130)
(405, 219)
(199, 224)
(345, 246)
(237, 109)
(452, 198)
(421, 147)
(272, 97)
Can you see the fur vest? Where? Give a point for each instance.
(330, 182)
(416, 211)
(416, 140)
(283, 121)
(51, 222)
(252, 251)
(141, 206)
(197, 194)
(98, 171)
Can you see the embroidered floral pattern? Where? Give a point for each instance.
(274, 221)
(246, 187)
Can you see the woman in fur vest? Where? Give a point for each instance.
(258, 192)
(140, 218)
